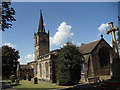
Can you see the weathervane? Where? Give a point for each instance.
(112, 31)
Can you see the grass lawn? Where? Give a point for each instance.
(30, 84)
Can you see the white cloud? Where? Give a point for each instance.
(63, 45)
(29, 57)
(103, 27)
(72, 42)
(22, 61)
(19, 59)
(26, 59)
(10, 44)
(78, 44)
(62, 34)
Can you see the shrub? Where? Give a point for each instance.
(69, 66)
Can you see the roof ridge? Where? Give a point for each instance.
(90, 42)
(87, 48)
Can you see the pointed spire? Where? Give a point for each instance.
(41, 26)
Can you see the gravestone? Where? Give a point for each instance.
(17, 81)
(35, 80)
(12, 78)
(24, 77)
(29, 78)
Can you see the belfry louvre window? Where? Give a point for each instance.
(40, 70)
(36, 40)
(104, 56)
(47, 72)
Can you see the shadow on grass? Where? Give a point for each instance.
(13, 83)
(109, 84)
(9, 82)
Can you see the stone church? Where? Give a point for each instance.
(97, 58)
(44, 59)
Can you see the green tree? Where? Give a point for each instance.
(10, 58)
(7, 15)
(69, 66)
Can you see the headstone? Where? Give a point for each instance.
(17, 81)
(29, 78)
(12, 78)
(24, 77)
(35, 80)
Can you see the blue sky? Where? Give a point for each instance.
(83, 18)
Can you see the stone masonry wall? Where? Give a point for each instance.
(98, 70)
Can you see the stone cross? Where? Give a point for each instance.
(17, 74)
(18, 71)
(114, 41)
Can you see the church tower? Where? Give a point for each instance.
(41, 39)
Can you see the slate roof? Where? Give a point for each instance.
(87, 48)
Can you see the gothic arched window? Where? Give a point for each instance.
(40, 70)
(47, 72)
(36, 69)
(104, 56)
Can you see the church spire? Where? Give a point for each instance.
(41, 26)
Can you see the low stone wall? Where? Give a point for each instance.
(105, 77)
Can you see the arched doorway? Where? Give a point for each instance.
(104, 57)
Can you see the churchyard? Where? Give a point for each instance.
(46, 85)
(30, 84)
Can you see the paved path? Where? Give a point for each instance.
(6, 85)
(88, 87)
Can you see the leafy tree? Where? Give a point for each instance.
(7, 15)
(69, 66)
(10, 58)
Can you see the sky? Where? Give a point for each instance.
(77, 22)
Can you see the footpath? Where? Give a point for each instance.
(4, 85)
